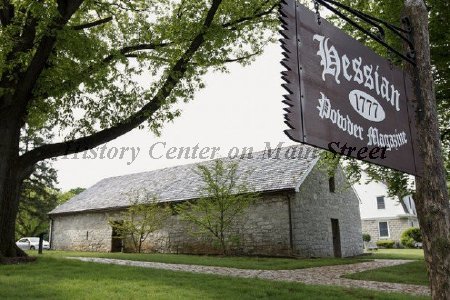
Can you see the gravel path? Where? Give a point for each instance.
(328, 275)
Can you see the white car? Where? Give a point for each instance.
(31, 243)
(418, 245)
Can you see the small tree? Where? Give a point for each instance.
(366, 239)
(144, 216)
(225, 198)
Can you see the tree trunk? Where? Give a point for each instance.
(223, 244)
(9, 184)
(433, 207)
(140, 244)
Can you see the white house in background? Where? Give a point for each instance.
(384, 217)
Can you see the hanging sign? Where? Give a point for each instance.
(344, 97)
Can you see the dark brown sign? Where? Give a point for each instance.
(343, 96)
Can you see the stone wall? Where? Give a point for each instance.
(396, 228)
(263, 230)
(314, 207)
(81, 232)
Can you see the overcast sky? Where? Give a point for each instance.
(240, 109)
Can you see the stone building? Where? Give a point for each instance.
(383, 217)
(300, 211)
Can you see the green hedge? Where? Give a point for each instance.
(411, 236)
(386, 244)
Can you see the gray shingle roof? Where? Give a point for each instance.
(279, 172)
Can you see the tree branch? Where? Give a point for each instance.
(92, 24)
(107, 59)
(23, 41)
(27, 160)
(130, 6)
(6, 12)
(128, 49)
(234, 23)
(237, 59)
(218, 62)
(26, 40)
(28, 79)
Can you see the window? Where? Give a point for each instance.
(331, 184)
(380, 202)
(384, 229)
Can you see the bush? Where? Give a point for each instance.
(366, 237)
(386, 244)
(411, 236)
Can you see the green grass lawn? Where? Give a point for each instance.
(412, 273)
(52, 277)
(258, 263)
(262, 263)
(416, 254)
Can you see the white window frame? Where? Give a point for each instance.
(379, 230)
(384, 202)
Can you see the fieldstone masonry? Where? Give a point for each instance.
(396, 227)
(81, 232)
(281, 223)
(314, 206)
(263, 230)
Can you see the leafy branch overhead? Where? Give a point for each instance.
(98, 69)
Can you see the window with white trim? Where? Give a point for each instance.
(380, 202)
(384, 229)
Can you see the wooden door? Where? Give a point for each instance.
(116, 241)
(336, 237)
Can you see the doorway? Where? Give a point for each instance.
(116, 239)
(336, 237)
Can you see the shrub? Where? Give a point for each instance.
(366, 237)
(411, 236)
(386, 244)
(226, 196)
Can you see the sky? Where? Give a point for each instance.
(241, 108)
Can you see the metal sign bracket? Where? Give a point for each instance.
(334, 6)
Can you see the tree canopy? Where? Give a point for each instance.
(83, 67)
(93, 70)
